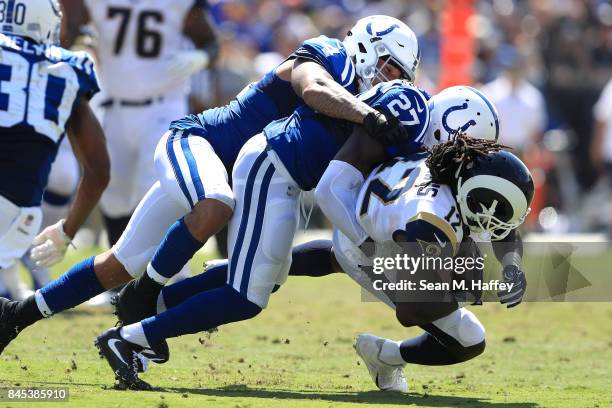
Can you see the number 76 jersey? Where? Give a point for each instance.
(399, 192)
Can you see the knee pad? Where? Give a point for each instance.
(463, 326)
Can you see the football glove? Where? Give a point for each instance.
(185, 63)
(512, 274)
(387, 130)
(50, 245)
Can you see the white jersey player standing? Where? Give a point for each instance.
(145, 75)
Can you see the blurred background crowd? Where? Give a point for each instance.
(545, 64)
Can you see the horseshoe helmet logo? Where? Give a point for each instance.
(452, 109)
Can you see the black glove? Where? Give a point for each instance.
(387, 130)
(512, 274)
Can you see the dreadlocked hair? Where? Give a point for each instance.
(446, 158)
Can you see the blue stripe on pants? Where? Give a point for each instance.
(193, 168)
(245, 214)
(254, 240)
(177, 169)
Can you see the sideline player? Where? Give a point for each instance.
(144, 71)
(199, 148)
(45, 93)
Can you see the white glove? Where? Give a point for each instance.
(50, 245)
(183, 64)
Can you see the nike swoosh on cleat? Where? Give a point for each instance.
(113, 347)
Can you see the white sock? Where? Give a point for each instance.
(134, 333)
(390, 353)
(162, 280)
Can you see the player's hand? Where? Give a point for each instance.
(185, 63)
(386, 129)
(512, 274)
(50, 245)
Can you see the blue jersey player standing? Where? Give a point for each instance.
(192, 160)
(44, 93)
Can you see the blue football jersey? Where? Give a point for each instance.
(227, 128)
(39, 87)
(307, 141)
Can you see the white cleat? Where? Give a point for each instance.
(387, 377)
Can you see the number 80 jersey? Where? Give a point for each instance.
(399, 192)
(39, 87)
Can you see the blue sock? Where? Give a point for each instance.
(203, 311)
(212, 278)
(74, 287)
(177, 248)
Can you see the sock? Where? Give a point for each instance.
(176, 249)
(427, 350)
(213, 277)
(390, 353)
(26, 312)
(74, 287)
(201, 312)
(313, 258)
(115, 227)
(134, 334)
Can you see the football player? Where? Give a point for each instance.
(271, 172)
(45, 94)
(193, 157)
(417, 208)
(145, 71)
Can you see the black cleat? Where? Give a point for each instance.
(129, 308)
(8, 327)
(122, 357)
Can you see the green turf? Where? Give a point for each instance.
(299, 353)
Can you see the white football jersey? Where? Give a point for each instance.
(136, 40)
(398, 192)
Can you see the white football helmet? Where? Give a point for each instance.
(38, 20)
(494, 192)
(461, 108)
(376, 37)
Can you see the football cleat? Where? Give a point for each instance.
(129, 309)
(387, 377)
(8, 328)
(122, 357)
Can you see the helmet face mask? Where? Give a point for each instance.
(493, 195)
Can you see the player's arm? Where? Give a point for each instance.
(200, 29)
(74, 16)
(509, 252)
(314, 84)
(88, 143)
(338, 190)
(320, 91)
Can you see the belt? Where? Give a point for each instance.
(131, 103)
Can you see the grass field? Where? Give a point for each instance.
(299, 353)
